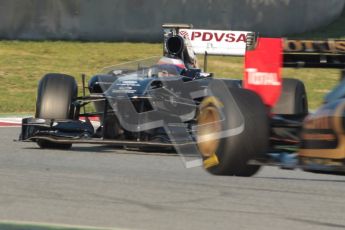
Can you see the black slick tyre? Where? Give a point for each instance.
(55, 95)
(293, 99)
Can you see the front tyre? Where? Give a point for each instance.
(55, 95)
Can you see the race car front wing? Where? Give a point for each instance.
(76, 131)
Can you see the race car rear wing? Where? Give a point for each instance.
(314, 54)
(219, 42)
(212, 42)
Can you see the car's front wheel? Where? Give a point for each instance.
(55, 95)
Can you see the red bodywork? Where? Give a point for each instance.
(263, 69)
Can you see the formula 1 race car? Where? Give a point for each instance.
(232, 126)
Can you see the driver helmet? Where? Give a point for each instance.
(170, 66)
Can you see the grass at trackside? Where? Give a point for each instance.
(22, 64)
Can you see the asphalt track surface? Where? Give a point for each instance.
(107, 187)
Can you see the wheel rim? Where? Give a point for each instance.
(208, 131)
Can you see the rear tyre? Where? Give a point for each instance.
(112, 128)
(293, 100)
(56, 92)
(243, 133)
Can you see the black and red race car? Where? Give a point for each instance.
(231, 127)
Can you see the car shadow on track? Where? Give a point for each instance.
(113, 149)
(302, 179)
(78, 149)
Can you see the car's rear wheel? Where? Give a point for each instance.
(112, 128)
(231, 132)
(293, 99)
(56, 93)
